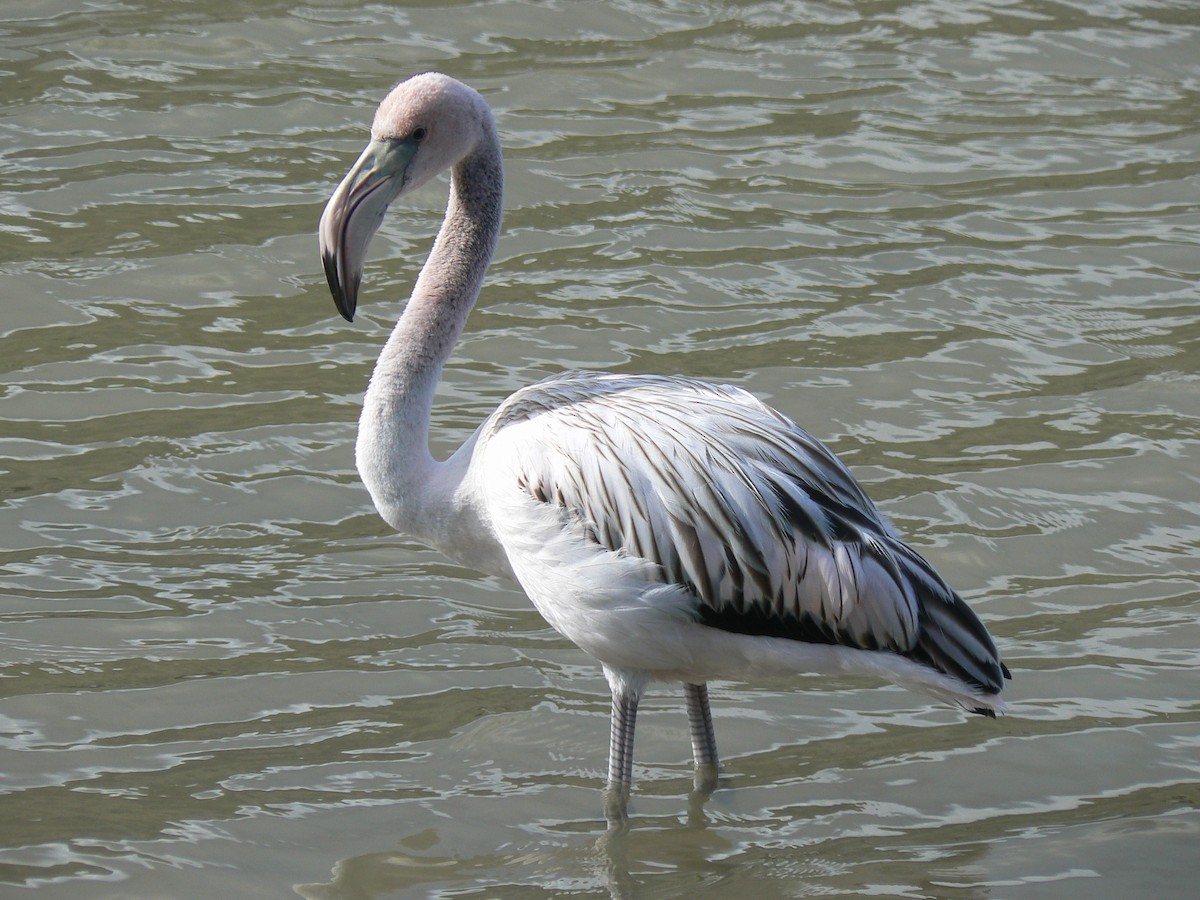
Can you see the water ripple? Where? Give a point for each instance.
(956, 239)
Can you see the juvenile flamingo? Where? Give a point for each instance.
(674, 530)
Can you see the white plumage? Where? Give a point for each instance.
(673, 529)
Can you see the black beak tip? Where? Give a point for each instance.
(344, 298)
(345, 308)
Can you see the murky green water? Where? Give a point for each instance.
(956, 239)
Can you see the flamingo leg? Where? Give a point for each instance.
(704, 737)
(620, 753)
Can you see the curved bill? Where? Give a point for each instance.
(353, 214)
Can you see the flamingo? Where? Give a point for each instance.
(674, 530)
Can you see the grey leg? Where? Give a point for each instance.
(620, 754)
(704, 738)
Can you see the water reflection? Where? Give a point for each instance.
(626, 862)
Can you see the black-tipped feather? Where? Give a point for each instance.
(758, 519)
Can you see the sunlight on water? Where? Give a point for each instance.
(956, 240)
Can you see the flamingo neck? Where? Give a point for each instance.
(411, 490)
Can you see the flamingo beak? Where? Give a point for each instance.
(354, 213)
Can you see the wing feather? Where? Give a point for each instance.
(755, 518)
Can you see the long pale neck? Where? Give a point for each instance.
(393, 436)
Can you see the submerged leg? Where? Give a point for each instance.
(626, 687)
(620, 754)
(704, 738)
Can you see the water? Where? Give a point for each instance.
(956, 239)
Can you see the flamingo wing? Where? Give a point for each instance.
(736, 515)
